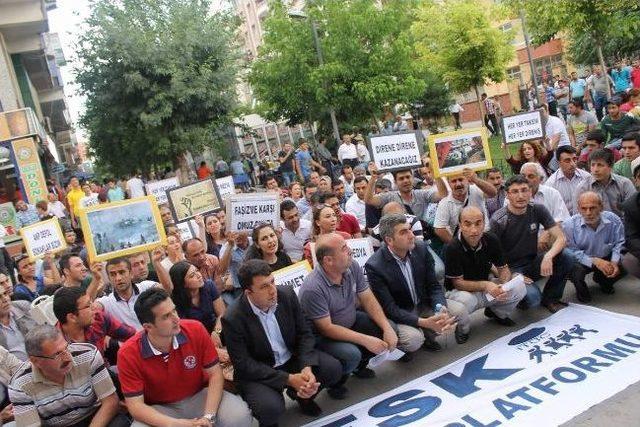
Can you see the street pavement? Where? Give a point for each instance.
(621, 409)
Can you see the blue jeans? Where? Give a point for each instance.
(288, 178)
(599, 102)
(351, 356)
(554, 288)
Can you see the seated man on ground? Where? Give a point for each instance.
(64, 385)
(516, 226)
(170, 373)
(402, 277)
(272, 347)
(329, 297)
(469, 258)
(595, 238)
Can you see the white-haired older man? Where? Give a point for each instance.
(546, 196)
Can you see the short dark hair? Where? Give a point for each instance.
(323, 251)
(250, 269)
(359, 179)
(145, 303)
(395, 173)
(323, 197)
(632, 136)
(515, 179)
(493, 170)
(345, 166)
(66, 258)
(577, 103)
(596, 135)
(115, 261)
(287, 205)
(309, 185)
(42, 204)
(565, 149)
(335, 183)
(603, 154)
(65, 301)
(271, 178)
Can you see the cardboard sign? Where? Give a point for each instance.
(361, 251)
(186, 231)
(88, 201)
(226, 186)
(246, 211)
(451, 152)
(159, 188)
(43, 236)
(198, 198)
(292, 275)
(397, 151)
(522, 127)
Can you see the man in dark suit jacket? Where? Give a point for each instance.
(631, 209)
(402, 277)
(272, 347)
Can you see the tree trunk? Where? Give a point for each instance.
(182, 170)
(475, 87)
(375, 123)
(602, 65)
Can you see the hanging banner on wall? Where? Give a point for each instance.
(29, 168)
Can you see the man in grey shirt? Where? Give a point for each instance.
(328, 297)
(600, 83)
(414, 201)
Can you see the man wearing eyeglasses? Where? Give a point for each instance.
(64, 385)
(516, 226)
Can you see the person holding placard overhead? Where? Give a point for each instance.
(267, 246)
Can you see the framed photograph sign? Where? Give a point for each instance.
(451, 152)
(42, 237)
(522, 127)
(198, 198)
(396, 151)
(122, 228)
(245, 211)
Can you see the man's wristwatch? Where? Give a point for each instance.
(210, 417)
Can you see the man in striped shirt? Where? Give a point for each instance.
(64, 385)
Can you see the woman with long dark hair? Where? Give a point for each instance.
(267, 246)
(325, 221)
(214, 234)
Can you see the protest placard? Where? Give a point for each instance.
(186, 230)
(159, 188)
(361, 251)
(42, 237)
(225, 186)
(522, 127)
(292, 275)
(245, 211)
(451, 152)
(198, 198)
(397, 151)
(9, 221)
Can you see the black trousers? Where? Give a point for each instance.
(580, 271)
(267, 403)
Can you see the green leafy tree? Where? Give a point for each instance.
(368, 61)
(456, 37)
(435, 100)
(159, 77)
(587, 21)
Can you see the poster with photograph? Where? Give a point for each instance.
(198, 198)
(226, 186)
(42, 237)
(159, 188)
(245, 211)
(522, 127)
(292, 275)
(122, 228)
(396, 151)
(9, 221)
(451, 152)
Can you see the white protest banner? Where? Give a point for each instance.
(292, 275)
(226, 186)
(542, 375)
(361, 250)
(522, 127)
(245, 211)
(397, 151)
(186, 230)
(88, 201)
(42, 237)
(159, 188)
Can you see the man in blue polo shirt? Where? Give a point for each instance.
(170, 373)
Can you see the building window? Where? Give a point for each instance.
(514, 73)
